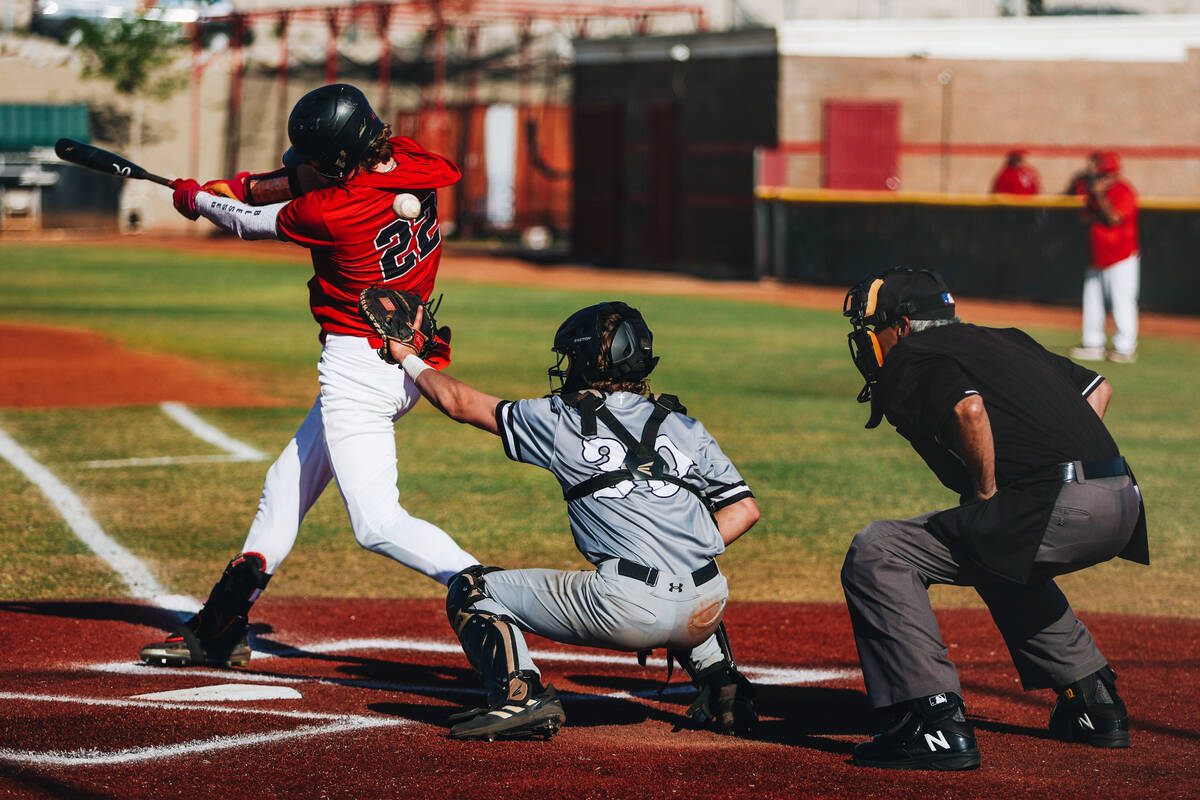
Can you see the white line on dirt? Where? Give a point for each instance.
(91, 757)
(132, 572)
(767, 675)
(129, 702)
(201, 429)
(335, 723)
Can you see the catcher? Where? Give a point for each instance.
(651, 500)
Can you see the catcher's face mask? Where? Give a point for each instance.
(579, 347)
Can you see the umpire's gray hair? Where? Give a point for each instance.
(918, 325)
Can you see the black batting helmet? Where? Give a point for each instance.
(580, 342)
(331, 128)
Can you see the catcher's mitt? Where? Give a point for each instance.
(392, 315)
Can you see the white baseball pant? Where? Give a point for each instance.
(349, 434)
(1115, 287)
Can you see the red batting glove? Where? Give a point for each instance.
(235, 188)
(184, 197)
(440, 357)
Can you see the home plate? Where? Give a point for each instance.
(225, 691)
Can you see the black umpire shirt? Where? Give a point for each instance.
(1040, 417)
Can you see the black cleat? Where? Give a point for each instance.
(185, 649)
(1089, 711)
(930, 733)
(538, 716)
(725, 700)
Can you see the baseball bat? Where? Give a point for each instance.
(85, 155)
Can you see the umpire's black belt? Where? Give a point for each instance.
(1090, 470)
(649, 575)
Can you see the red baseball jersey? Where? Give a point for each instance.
(1111, 244)
(357, 240)
(1016, 180)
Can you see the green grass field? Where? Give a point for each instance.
(774, 384)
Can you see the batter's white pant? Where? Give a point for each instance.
(1113, 287)
(348, 434)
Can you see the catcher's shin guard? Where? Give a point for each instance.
(724, 697)
(216, 636)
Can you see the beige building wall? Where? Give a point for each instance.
(1050, 107)
(1059, 87)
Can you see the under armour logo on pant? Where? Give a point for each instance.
(674, 587)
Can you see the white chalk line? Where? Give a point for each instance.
(234, 450)
(336, 723)
(764, 675)
(165, 461)
(132, 572)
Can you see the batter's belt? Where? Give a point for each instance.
(649, 575)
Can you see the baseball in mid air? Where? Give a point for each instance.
(407, 206)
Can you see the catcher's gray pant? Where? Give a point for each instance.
(600, 608)
(892, 563)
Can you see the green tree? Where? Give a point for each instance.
(135, 54)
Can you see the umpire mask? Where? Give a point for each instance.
(580, 343)
(879, 301)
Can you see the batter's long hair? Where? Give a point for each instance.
(611, 385)
(380, 151)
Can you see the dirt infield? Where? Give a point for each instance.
(373, 682)
(45, 367)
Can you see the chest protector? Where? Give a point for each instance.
(642, 461)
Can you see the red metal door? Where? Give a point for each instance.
(861, 144)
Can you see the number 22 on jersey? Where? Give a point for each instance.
(407, 242)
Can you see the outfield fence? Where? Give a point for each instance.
(999, 246)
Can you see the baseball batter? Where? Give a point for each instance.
(651, 501)
(350, 223)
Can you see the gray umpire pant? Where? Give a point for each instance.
(600, 608)
(892, 563)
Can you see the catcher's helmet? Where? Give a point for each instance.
(331, 128)
(580, 342)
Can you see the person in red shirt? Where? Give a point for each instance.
(1017, 176)
(348, 177)
(1113, 277)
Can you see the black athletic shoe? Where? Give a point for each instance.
(725, 700)
(540, 715)
(930, 733)
(1089, 711)
(185, 649)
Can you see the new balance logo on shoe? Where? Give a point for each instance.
(939, 740)
(1086, 722)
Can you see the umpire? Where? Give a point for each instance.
(1017, 432)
